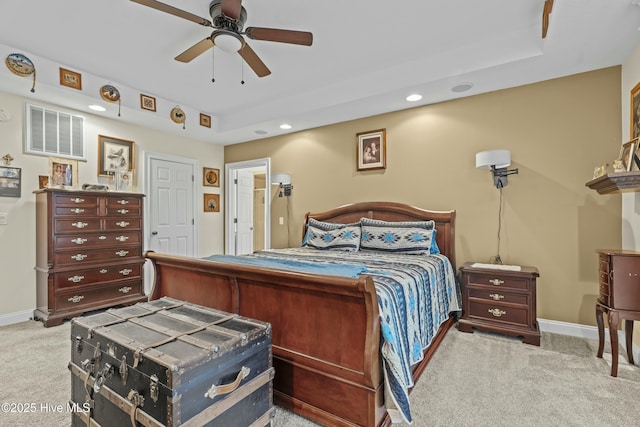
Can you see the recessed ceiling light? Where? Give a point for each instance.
(414, 97)
(285, 126)
(462, 87)
(97, 108)
(260, 132)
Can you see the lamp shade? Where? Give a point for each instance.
(280, 178)
(497, 158)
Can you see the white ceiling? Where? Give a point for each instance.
(366, 57)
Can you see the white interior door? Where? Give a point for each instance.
(244, 212)
(239, 205)
(171, 207)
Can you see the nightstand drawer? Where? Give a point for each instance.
(497, 280)
(497, 295)
(498, 312)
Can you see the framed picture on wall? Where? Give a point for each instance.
(211, 177)
(114, 155)
(635, 111)
(212, 202)
(372, 150)
(10, 181)
(70, 78)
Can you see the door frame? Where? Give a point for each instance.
(146, 173)
(230, 199)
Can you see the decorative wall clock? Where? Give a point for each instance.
(22, 66)
(110, 93)
(178, 116)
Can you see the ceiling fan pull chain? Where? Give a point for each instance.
(213, 68)
(242, 71)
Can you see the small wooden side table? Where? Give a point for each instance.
(619, 298)
(502, 301)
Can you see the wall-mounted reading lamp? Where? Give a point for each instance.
(283, 180)
(497, 161)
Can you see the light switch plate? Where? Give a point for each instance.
(3, 219)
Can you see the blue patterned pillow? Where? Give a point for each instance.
(410, 237)
(332, 236)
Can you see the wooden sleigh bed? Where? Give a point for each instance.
(326, 329)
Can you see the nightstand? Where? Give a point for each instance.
(500, 300)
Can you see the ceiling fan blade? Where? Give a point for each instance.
(175, 11)
(283, 36)
(231, 8)
(195, 50)
(253, 61)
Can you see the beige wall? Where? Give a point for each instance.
(557, 131)
(17, 239)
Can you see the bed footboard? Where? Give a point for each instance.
(326, 331)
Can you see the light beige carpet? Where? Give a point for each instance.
(475, 379)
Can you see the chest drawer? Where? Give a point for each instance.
(96, 240)
(81, 257)
(497, 280)
(76, 225)
(76, 298)
(118, 224)
(123, 211)
(96, 276)
(123, 202)
(74, 200)
(76, 211)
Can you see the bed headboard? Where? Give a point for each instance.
(392, 211)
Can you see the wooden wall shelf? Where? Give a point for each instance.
(616, 182)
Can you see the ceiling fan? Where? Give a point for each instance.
(227, 19)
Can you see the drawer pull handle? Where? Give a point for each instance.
(122, 224)
(123, 211)
(77, 210)
(102, 238)
(103, 271)
(79, 224)
(76, 299)
(496, 297)
(496, 282)
(77, 200)
(75, 279)
(218, 390)
(122, 238)
(126, 271)
(79, 241)
(79, 257)
(125, 289)
(497, 312)
(122, 253)
(123, 202)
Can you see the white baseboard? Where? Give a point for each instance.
(17, 317)
(584, 331)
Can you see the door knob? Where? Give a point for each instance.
(154, 233)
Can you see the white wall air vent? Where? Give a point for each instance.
(53, 133)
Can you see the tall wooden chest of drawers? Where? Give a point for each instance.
(88, 252)
(502, 301)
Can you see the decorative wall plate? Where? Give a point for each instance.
(110, 93)
(178, 116)
(20, 65)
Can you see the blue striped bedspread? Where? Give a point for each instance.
(416, 294)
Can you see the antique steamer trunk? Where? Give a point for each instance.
(169, 363)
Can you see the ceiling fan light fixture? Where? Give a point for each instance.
(227, 40)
